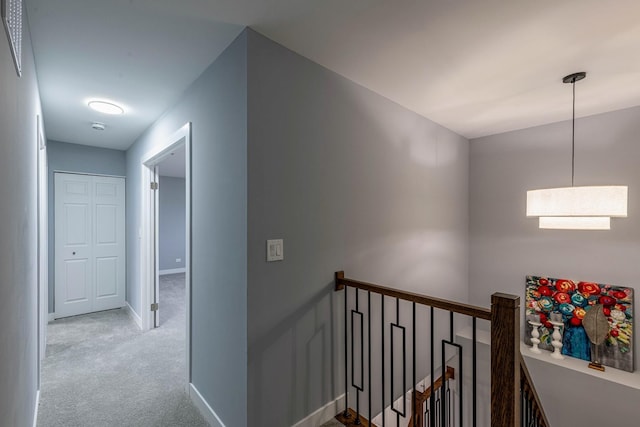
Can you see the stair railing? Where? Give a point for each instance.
(532, 412)
(506, 384)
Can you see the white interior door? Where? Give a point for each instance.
(109, 243)
(89, 244)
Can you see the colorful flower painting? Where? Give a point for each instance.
(572, 300)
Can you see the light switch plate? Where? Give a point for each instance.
(275, 250)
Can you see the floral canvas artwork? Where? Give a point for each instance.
(572, 300)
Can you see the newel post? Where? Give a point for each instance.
(338, 276)
(505, 360)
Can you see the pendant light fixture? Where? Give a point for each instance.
(577, 208)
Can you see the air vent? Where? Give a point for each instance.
(12, 19)
(97, 126)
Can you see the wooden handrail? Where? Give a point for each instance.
(450, 374)
(529, 389)
(421, 397)
(456, 307)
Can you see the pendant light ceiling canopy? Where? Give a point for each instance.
(577, 208)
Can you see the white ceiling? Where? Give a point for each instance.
(476, 67)
(121, 50)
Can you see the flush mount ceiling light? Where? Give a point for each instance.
(577, 208)
(106, 107)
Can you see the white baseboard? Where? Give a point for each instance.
(132, 313)
(322, 415)
(204, 408)
(172, 271)
(52, 317)
(35, 411)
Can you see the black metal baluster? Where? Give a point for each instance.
(383, 389)
(358, 388)
(413, 396)
(459, 373)
(402, 329)
(369, 348)
(392, 370)
(443, 402)
(474, 375)
(438, 407)
(346, 355)
(449, 405)
(432, 401)
(523, 419)
(393, 396)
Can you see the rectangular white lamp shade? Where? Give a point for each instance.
(599, 201)
(575, 222)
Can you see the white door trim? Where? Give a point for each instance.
(182, 137)
(43, 246)
(88, 173)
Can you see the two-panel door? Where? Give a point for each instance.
(89, 243)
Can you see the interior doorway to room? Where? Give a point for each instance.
(170, 232)
(166, 229)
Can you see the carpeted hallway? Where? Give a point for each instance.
(100, 370)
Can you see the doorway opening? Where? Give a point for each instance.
(168, 164)
(170, 237)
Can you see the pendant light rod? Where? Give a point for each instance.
(582, 207)
(573, 78)
(573, 135)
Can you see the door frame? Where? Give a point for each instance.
(43, 245)
(148, 230)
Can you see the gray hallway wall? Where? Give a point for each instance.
(277, 141)
(506, 245)
(349, 180)
(216, 106)
(65, 157)
(172, 222)
(19, 106)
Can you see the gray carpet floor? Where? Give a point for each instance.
(100, 370)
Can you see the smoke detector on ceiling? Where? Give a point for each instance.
(97, 126)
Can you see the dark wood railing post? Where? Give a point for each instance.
(505, 360)
(339, 286)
